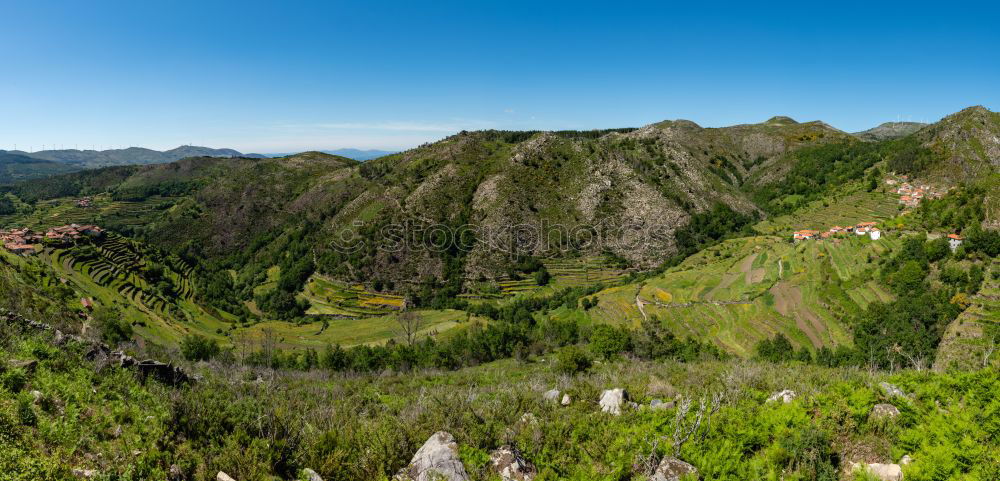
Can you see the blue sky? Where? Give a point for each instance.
(289, 76)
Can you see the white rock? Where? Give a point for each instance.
(566, 400)
(311, 475)
(436, 460)
(906, 459)
(551, 395)
(612, 400)
(884, 472)
(786, 396)
(673, 469)
(511, 465)
(223, 477)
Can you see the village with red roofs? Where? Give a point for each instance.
(23, 241)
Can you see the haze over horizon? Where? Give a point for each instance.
(258, 78)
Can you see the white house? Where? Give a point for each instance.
(954, 240)
(875, 234)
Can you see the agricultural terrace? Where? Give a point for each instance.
(749, 289)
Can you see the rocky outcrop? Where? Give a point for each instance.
(884, 411)
(786, 396)
(436, 460)
(612, 401)
(673, 469)
(102, 354)
(508, 462)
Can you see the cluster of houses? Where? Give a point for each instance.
(84, 202)
(23, 241)
(860, 229)
(911, 195)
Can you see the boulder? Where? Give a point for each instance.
(906, 459)
(436, 460)
(310, 475)
(673, 469)
(551, 395)
(28, 365)
(508, 462)
(884, 411)
(890, 390)
(612, 400)
(658, 404)
(223, 477)
(884, 472)
(566, 400)
(786, 396)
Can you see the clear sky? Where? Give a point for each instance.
(282, 76)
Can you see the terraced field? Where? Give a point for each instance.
(332, 298)
(573, 272)
(966, 340)
(748, 289)
(846, 209)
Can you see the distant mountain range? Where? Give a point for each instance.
(130, 156)
(355, 154)
(890, 130)
(15, 167)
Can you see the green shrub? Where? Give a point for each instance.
(571, 360)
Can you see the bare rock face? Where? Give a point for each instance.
(223, 477)
(436, 460)
(612, 401)
(785, 396)
(508, 462)
(884, 472)
(311, 475)
(673, 469)
(885, 411)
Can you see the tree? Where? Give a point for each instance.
(607, 341)
(113, 328)
(195, 347)
(571, 360)
(410, 323)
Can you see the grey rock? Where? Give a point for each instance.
(906, 459)
(884, 410)
(658, 404)
(551, 395)
(510, 464)
(566, 400)
(673, 469)
(786, 396)
(311, 475)
(84, 473)
(436, 460)
(28, 365)
(612, 401)
(890, 390)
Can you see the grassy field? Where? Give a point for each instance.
(745, 290)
